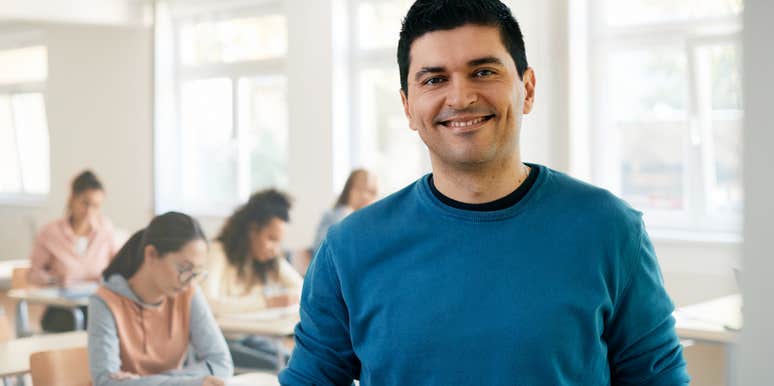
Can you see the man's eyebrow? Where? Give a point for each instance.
(428, 70)
(485, 60)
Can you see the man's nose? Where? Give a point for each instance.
(461, 94)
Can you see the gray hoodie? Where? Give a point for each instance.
(206, 340)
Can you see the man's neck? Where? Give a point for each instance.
(480, 184)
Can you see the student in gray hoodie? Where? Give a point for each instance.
(147, 313)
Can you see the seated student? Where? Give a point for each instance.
(72, 249)
(246, 273)
(360, 190)
(147, 312)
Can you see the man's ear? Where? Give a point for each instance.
(406, 111)
(529, 81)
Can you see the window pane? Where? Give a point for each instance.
(726, 193)
(21, 65)
(652, 166)
(32, 131)
(263, 123)
(647, 103)
(720, 105)
(10, 176)
(379, 22)
(395, 152)
(233, 40)
(647, 85)
(726, 73)
(209, 166)
(625, 12)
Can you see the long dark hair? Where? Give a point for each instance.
(347, 190)
(259, 210)
(167, 233)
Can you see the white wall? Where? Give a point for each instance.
(757, 349)
(98, 102)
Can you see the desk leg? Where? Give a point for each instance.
(22, 319)
(78, 318)
(280, 354)
(731, 363)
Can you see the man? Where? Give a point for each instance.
(489, 271)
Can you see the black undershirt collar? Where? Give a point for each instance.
(501, 203)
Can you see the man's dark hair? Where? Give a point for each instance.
(436, 15)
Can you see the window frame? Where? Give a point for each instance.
(24, 40)
(686, 36)
(233, 72)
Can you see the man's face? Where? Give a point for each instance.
(465, 97)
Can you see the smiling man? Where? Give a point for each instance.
(489, 271)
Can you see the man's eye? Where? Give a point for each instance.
(481, 73)
(433, 80)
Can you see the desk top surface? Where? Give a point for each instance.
(15, 354)
(55, 296)
(254, 379)
(718, 320)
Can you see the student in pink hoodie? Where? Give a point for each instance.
(75, 248)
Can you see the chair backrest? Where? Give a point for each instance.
(19, 278)
(6, 332)
(66, 367)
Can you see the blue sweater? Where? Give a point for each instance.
(562, 288)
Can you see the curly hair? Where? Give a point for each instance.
(260, 209)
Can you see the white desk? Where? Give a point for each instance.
(15, 354)
(717, 321)
(271, 323)
(253, 379)
(50, 296)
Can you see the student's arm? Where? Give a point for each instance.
(643, 348)
(211, 351)
(40, 258)
(104, 353)
(323, 354)
(291, 280)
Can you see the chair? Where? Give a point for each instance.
(19, 278)
(66, 367)
(6, 332)
(19, 281)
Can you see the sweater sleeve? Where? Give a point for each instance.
(104, 353)
(40, 257)
(643, 347)
(210, 349)
(323, 353)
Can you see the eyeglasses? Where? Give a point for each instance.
(186, 274)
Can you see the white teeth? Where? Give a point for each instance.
(466, 123)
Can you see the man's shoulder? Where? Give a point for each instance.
(391, 210)
(576, 195)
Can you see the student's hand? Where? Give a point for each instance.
(63, 272)
(213, 381)
(283, 300)
(123, 375)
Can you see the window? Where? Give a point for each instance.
(24, 142)
(226, 114)
(380, 138)
(665, 94)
